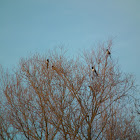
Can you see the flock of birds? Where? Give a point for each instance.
(108, 53)
(93, 68)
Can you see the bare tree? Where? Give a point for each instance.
(55, 97)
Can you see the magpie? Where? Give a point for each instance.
(53, 68)
(108, 52)
(94, 70)
(47, 63)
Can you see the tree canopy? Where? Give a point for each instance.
(56, 97)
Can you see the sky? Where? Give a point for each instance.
(30, 26)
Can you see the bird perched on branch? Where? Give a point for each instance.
(53, 67)
(47, 62)
(108, 53)
(94, 70)
(56, 69)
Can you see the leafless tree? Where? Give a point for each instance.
(54, 97)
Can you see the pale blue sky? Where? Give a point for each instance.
(29, 26)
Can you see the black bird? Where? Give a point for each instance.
(47, 62)
(94, 70)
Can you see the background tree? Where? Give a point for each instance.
(53, 97)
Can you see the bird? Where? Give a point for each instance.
(108, 52)
(47, 62)
(94, 70)
(53, 68)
